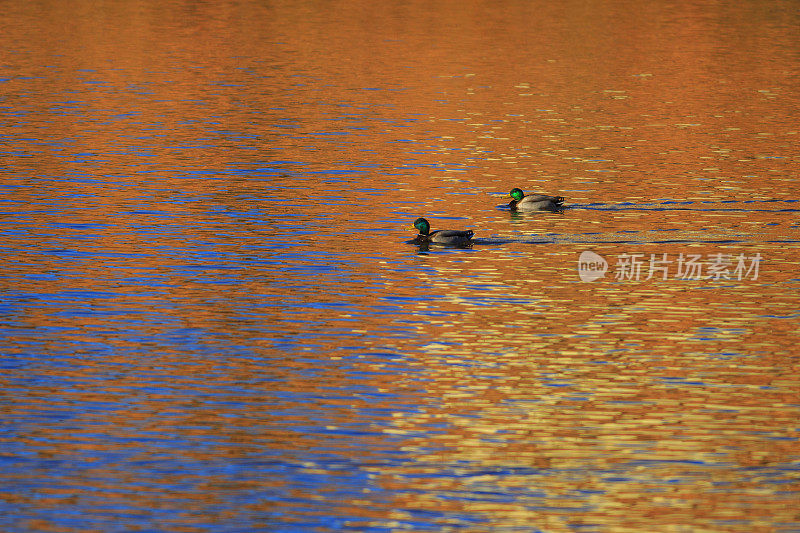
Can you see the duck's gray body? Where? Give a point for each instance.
(451, 236)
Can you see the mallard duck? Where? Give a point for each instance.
(533, 202)
(445, 236)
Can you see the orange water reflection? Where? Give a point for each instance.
(214, 322)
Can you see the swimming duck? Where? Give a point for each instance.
(446, 236)
(533, 202)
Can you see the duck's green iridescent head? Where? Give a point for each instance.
(516, 193)
(422, 225)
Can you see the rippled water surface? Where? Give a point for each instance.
(213, 321)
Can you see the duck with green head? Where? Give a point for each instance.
(533, 202)
(449, 237)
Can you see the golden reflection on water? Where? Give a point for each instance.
(217, 315)
(619, 387)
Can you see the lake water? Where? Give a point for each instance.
(212, 321)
